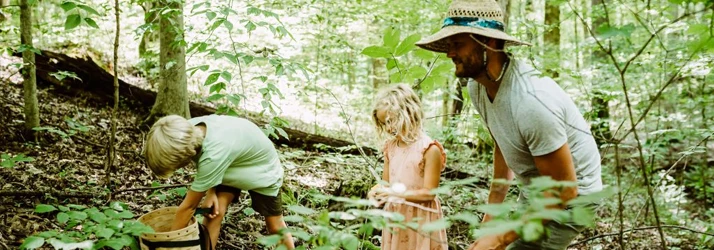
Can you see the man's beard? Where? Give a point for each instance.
(468, 67)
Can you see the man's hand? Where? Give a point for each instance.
(211, 200)
(489, 242)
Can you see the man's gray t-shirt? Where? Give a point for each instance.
(532, 116)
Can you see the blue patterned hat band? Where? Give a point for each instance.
(473, 22)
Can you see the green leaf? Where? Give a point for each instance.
(550, 214)
(32, 242)
(391, 38)
(72, 21)
(606, 31)
(282, 132)
(217, 23)
(97, 216)
(233, 98)
(532, 231)
(294, 218)
(583, 216)
(377, 52)
(248, 211)
(210, 15)
(126, 215)
(270, 240)
(111, 213)
(116, 244)
(301, 210)
(67, 6)
(497, 227)
(228, 25)
(44, 208)
(115, 224)
(248, 59)
(88, 9)
(593, 198)
(407, 44)
(443, 68)
(391, 63)
(116, 206)
(470, 218)
(75, 206)
(215, 97)
(91, 22)
(349, 242)
(105, 233)
(437, 225)
(77, 215)
(250, 26)
(62, 217)
(226, 76)
(217, 87)
(417, 71)
(496, 209)
(424, 54)
(300, 234)
(213, 77)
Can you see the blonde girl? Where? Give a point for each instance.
(413, 163)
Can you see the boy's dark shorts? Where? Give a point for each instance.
(263, 204)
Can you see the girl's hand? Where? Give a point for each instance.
(211, 201)
(374, 191)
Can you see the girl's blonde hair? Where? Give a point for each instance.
(171, 144)
(403, 112)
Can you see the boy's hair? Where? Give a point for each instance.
(403, 112)
(171, 144)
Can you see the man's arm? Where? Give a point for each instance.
(186, 209)
(498, 191)
(559, 166)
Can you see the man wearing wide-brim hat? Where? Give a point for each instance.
(536, 127)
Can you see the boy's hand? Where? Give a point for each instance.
(211, 200)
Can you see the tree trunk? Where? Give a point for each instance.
(552, 37)
(149, 37)
(3, 16)
(600, 127)
(380, 75)
(32, 109)
(458, 105)
(445, 117)
(111, 155)
(172, 97)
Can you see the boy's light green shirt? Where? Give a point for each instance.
(236, 153)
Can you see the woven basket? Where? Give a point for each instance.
(160, 220)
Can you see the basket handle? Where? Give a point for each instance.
(153, 245)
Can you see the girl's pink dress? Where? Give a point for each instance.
(406, 165)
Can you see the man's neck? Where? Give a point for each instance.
(495, 69)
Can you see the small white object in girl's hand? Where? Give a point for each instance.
(399, 188)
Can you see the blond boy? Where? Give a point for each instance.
(231, 154)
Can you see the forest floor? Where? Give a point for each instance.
(74, 162)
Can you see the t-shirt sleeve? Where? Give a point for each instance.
(212, 166)
(541, 122)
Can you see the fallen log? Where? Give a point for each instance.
(94, 79)
(97, 81)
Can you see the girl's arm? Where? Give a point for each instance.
(186, 209)
(385, 172)
(432, 173)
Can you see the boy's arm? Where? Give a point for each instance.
(186, 209)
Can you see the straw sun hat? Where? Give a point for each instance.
(480, 17)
